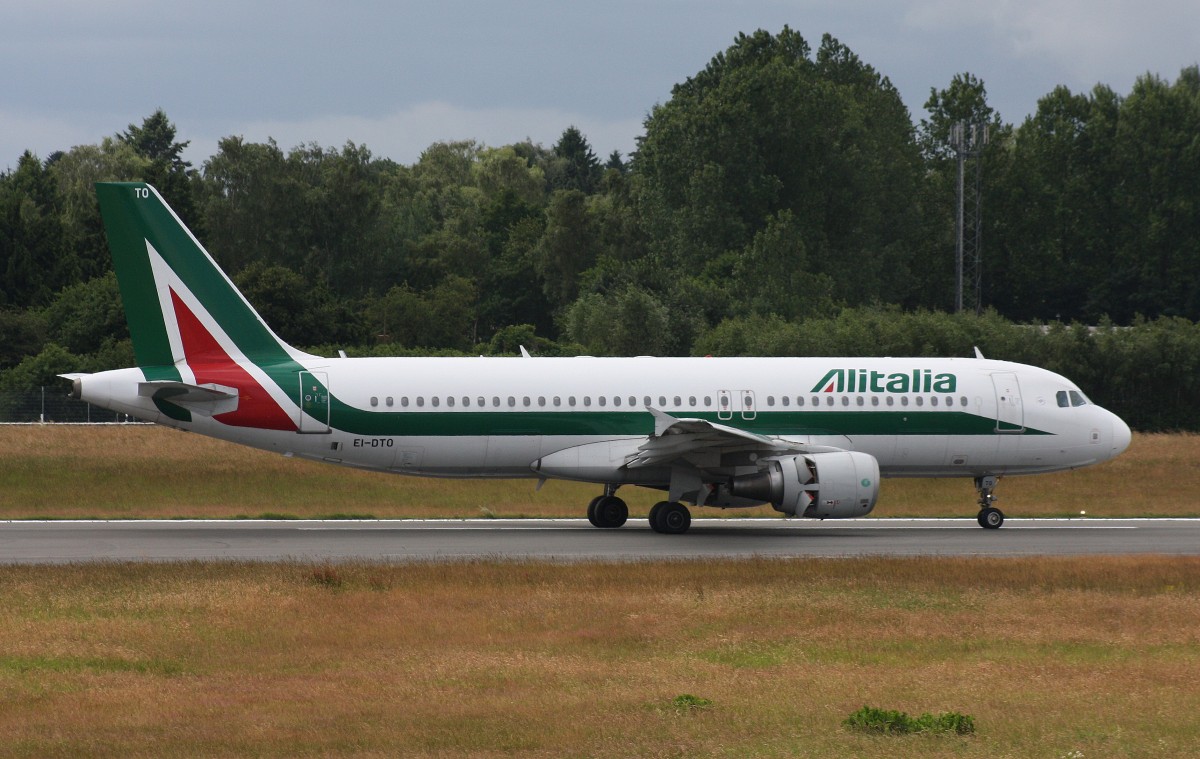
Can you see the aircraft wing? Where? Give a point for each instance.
(677, 440)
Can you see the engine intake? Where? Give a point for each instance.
(834, 485)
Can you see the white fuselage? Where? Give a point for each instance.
(499, 417)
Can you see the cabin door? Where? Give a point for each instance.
(1010, 414)
(314, 402)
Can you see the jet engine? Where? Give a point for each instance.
(833, 485)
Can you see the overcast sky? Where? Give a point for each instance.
(397, 76)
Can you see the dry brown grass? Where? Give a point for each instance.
(1050, 656)
(135, 471)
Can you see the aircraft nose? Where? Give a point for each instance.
(1121, 436)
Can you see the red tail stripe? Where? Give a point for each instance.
(210, 363)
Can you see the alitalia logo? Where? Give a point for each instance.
(867, 381)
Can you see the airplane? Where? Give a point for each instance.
(812, 436)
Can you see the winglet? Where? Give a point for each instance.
(662, 421)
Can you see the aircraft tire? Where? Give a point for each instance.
(591, 510)
(655, 510)
(671, 518)
(611, 512)
(990, 518)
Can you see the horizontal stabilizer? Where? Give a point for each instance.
(207, 399)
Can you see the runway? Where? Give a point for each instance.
(576, 540)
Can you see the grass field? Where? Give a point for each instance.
(119, 472)
(1079, 657)
(1084, 657)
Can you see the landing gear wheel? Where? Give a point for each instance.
(591, 511)
(991, 518)
(609, 512)
(670, 518)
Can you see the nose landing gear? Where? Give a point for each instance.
(990, 517)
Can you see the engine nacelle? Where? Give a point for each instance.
(834, 485)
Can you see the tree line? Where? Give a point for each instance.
(778, 193)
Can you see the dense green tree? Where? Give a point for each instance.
(24, 332)
(567, 248)
(155, 141)
(76, 173)
(628, 322)
(575, 166)
(35, 261)
(767, 128)
(300, 311)
(86, 314)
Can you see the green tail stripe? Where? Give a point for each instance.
(134, 213)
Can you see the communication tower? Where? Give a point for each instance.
(968, 142)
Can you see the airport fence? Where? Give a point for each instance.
(50, 405)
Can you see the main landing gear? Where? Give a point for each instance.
(607, 510)
(990, 517)
(668, 517)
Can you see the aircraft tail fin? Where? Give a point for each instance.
(181, 308)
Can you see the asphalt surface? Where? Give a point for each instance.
(576, 540)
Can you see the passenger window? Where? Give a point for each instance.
(633, 401)
(496, 401)
(963, 401)
(874, 400)
(434, 400)
(860, 400)
(646, 401)
(450, 400)
(557, 401)
(950, 400)
(678, 402)
(466, 400)
(616, 400)
(662, 401)
(587, 400)
(933, 401)
(770, 400)
(708, 401)
(904, 400)
(799, 400)
(891, 401)
(829, 400)
(691, 400)
(571, 401)
(387, 401)
(512, 402)
(525, 401)
(601, 400)
(541, 400)
(920, 401)
(784, 400)
(420, 400)
(404, 401)
(374, 401)
(845, 401)
(816, 400)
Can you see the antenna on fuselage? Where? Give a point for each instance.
(978, 353)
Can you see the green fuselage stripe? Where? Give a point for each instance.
(629, 423)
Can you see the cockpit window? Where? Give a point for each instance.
(1069, 398)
